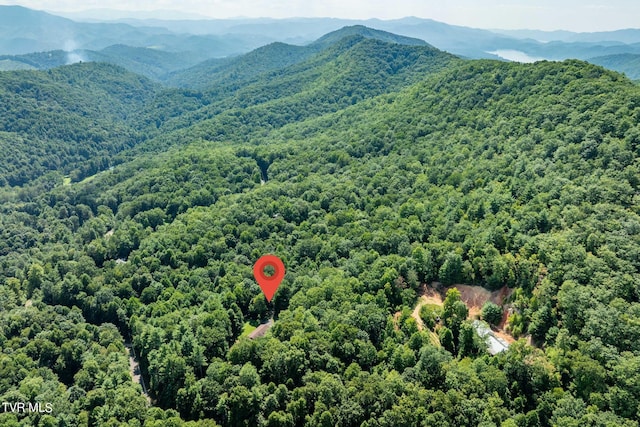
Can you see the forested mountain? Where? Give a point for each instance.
(152, 63)
(92, 111)
(240, 69)
(70, 120)
(239, 94)
(273, 57)
(359, 30)
(625, 63)
(155, 64)
(373, 169)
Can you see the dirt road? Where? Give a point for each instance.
(134, 370)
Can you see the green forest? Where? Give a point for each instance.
(132, 213)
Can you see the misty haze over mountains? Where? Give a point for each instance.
(156, 47)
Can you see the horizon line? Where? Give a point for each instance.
(198, 17)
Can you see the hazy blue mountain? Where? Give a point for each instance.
(626, 36)
(626, 63)
(157, 48)
(293, 30)
(24, 31)
(463, 41)
(102, 15)
(455, 39)
(458, 40)
(476, 43)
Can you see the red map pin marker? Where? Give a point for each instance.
(269, 284)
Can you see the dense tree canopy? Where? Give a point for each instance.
(371, 169)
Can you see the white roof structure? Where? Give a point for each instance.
(496, 344)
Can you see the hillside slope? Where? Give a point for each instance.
(628, 64)
(71, 120)
(126, 109)
(236, 104)
(151, 63)
(274, 57)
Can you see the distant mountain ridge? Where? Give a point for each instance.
(105, 15)
(152, 63)
(626, 63)
(24, 31)
(159, 48)
(367, 32)
(184, 69)
(626, 36)
(465, 41)
(304, 29)
(275, 56)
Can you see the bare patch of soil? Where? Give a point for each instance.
(505, 336)
(473, 296)
(476, 296)
(428, 295)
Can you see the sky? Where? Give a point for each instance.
(573, 15)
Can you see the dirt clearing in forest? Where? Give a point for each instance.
(428, 295)
(476, 296)
(473, 296)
